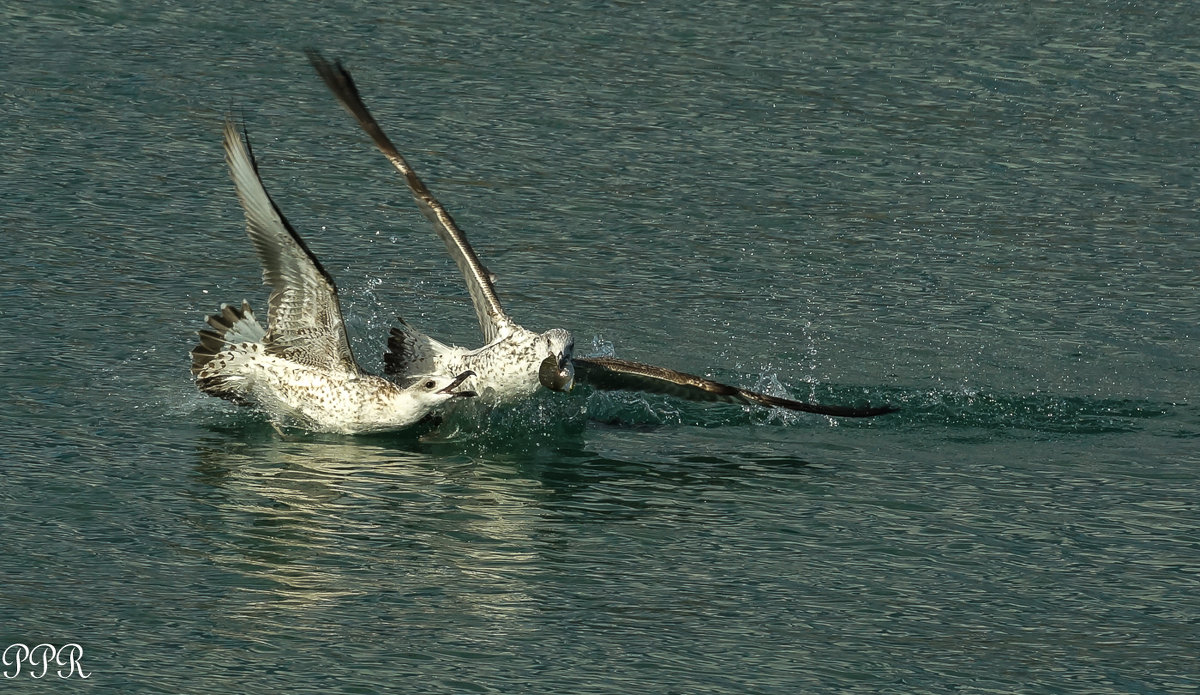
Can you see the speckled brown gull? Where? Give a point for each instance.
(514, 361)
(300, 370)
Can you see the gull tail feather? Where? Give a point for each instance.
(230, 327)
(234, 336)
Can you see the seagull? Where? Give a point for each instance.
(300, 370)
(514, 361)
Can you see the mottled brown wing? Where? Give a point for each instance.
(304, 318)
(611, 374)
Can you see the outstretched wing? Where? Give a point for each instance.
(492, 319)
(611, 374)
(304, 318)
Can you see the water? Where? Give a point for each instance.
(986, 216)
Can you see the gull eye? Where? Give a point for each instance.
(430, 384)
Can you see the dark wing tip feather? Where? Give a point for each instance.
(335, 75)
(819, 409)
(609, 373)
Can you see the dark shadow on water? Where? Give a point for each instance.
(1000, 413)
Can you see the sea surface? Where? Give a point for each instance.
(985, 214)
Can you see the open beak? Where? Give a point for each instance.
(454, 384)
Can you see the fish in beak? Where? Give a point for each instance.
(557, 373)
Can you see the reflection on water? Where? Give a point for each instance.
(306, 521)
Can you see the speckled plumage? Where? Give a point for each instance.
(300, 369)
(506, 369)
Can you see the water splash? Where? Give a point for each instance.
(602, 347)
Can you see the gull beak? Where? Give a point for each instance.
(454, 384)
(557, 373)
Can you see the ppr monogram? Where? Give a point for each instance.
(45, 656)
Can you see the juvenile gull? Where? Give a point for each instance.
(514, 360)
(300, 370)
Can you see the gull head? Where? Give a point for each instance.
(438, 389)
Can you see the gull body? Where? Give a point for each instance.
(299, 369)
(506, 369)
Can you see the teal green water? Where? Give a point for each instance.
(984, 215)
